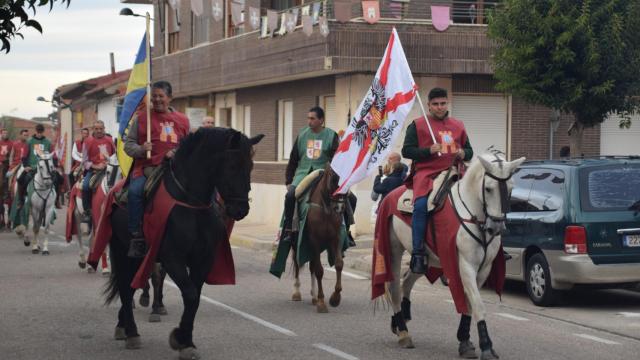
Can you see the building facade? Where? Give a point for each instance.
(265, 80)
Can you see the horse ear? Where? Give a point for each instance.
(486, 164)
(256, 139)
(516, 163)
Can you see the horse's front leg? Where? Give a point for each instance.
(82, 263)
(469, 278)
(45, 245)
(318, 271)
(181, 338)
(296, 296)
(334, 300)
(157, 280)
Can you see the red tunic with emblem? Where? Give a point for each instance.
(100, 149)
(5, 150)
(449, 132)
(20, 149)
(167, 129)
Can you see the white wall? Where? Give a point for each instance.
(616, 141)
(107, 113)
(66, 129)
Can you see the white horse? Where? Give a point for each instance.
(43, 201)
(112, 174)
(482, 192)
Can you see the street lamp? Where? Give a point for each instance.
(129, 12)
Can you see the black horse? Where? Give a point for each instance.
(207, 161)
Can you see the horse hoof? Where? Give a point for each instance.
(489, 355)
(91, 270)
(322, 308)
(35, 251)
(154, 318)
(133, 343)
(314, 301)
(189, 353)
(119, 333)
(106, 272)
(82, 265)
(404, 339)
(45, 252)
(466, 350)
(173, 341)
(160, 310)
(27, 242)
(144, 300)
(334, 300)
(296, 296)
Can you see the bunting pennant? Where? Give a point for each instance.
(272, 20)
(315, 14)
(173, 3)
(216, 10)
(440, 17)
(379, 119)
(236, 13)
(197, 7)
(283, 24)
(305, 10)
(371, 11)
(264, 27)
(290, 23)
(324, 26)
(342, 11)
(307, 24)
(254, 18)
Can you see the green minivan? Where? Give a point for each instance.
(571, 222)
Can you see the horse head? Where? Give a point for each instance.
(112, 171)
(235, 173)
(496, 189)
(45, 168)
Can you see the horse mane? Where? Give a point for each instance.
(475, 171)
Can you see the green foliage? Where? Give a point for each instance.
(577, 56)
(14, 18)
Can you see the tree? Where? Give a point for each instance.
(580, 57)
(14, 12)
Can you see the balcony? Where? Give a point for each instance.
(250, 58)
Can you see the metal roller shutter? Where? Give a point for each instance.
(328, 103)
(616, 141)
(485, 118)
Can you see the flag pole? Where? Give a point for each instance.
(148, 102)
(426, 118)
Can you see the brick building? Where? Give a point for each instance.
(15, 124)
(260, 82)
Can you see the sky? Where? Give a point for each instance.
(74, 46)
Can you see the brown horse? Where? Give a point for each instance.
(322, 231)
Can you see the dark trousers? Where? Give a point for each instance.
(136, 203)
(419, 222)
(289, 206)
(86, 191)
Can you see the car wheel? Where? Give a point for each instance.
(538, 279)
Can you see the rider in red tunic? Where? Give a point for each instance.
(168, 127)
(429, 160)
(96, 153)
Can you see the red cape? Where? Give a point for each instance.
(222, 271)
(447, 226)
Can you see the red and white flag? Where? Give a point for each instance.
(379, 119)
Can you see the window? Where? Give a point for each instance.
(199, 29)
(224, 117)
(610, 188)
(285, 128)
(243, 119)
(328, 104)
(172, 30)
(547, 190)
(521, 189)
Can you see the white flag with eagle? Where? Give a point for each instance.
(379, 119)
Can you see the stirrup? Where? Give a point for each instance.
(418, 263)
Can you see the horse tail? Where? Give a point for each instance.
(111, 289)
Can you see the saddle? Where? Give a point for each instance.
(96, 178)
(441, 186)
(154, 176)
(308, 182)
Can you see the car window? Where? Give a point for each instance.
(610, 188)
(520, 193)
(547, 190)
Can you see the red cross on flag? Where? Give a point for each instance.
(379, 119)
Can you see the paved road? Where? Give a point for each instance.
(50, 309)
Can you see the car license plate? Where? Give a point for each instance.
(631, 240)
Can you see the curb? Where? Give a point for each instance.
(250, 242)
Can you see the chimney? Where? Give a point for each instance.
(113, 64)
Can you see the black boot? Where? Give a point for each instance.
(137, 246)
(418, 262)
(352, 241)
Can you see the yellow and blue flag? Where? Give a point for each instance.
(136, 90)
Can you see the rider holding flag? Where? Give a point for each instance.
(430, 158)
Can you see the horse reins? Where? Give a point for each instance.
(36, 190)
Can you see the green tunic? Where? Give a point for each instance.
(36, 146)
(315, 150)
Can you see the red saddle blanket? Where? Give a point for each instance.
(444, 246)
(222, 270)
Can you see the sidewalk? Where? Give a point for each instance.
(261, 237)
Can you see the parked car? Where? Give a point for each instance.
(572, 222)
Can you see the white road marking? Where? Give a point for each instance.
(245, 315)
(335, 351)
(450, 301)
(346, 273)
(597, 339)
(629, 314)
(512, 317)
